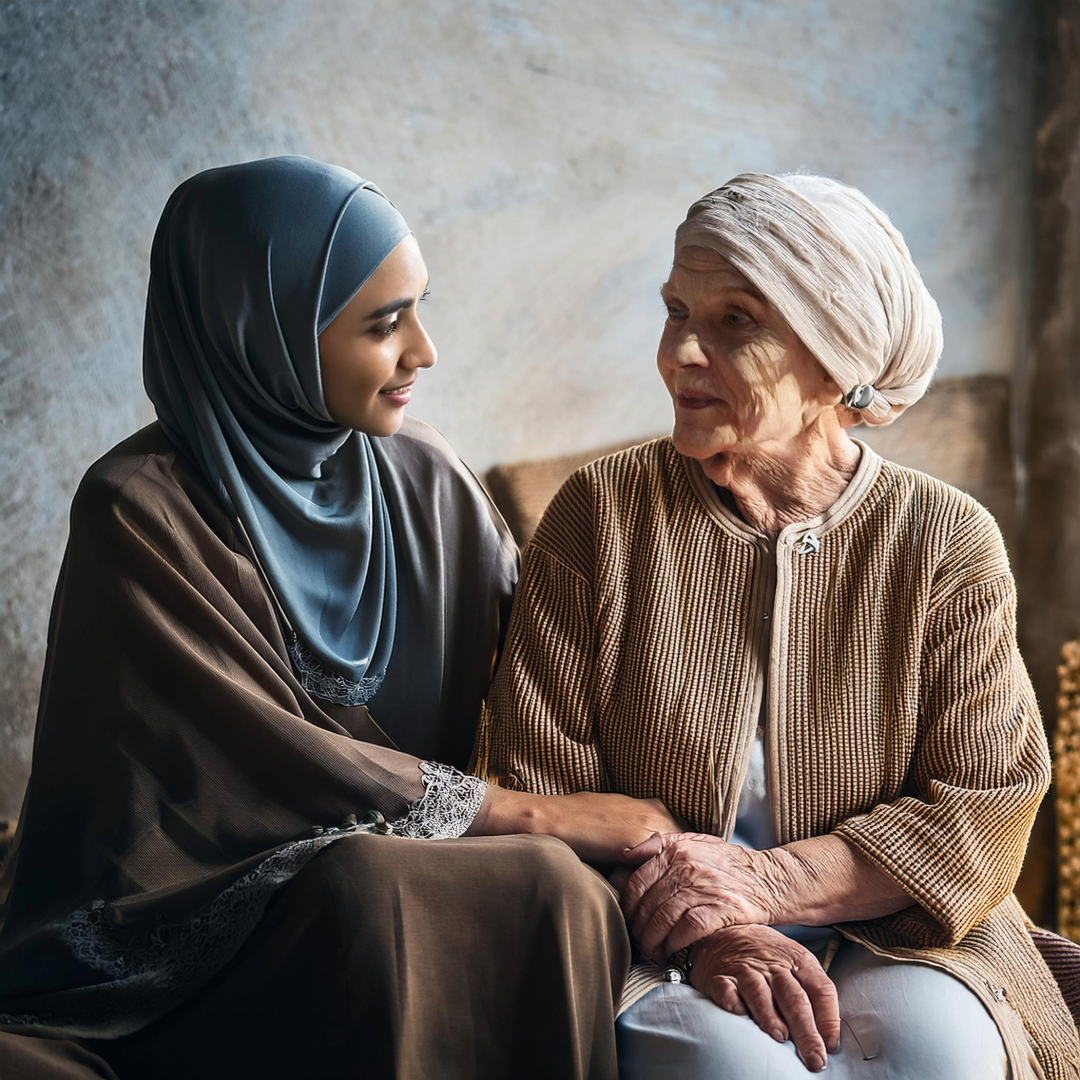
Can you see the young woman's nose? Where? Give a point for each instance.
(421, 352)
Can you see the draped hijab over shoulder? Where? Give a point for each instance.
(250, 263)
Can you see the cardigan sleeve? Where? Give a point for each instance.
(541, 729)
(955, 839)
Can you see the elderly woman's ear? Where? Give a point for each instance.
(848, 418)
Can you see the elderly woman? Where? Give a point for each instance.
(809, 654)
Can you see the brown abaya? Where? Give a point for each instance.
(190, 894)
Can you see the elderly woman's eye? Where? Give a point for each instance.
(675, 313)
(737, 318)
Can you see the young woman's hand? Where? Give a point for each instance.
(756, 970)
(599, 827)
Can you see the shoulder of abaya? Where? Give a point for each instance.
(416, 432)
(420, 446)
(149, 478)
(419, 457)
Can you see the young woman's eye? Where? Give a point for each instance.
(427, 293)
(386, 330)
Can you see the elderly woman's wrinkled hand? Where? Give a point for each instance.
(757, 970)
(689, 885)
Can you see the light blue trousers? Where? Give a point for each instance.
(899, 1021)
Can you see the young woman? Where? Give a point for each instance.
(219, 869)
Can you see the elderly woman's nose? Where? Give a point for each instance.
(685, 351)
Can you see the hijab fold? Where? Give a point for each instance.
(249, 264)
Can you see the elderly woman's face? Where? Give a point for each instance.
(739, 379)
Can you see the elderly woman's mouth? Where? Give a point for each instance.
(693, 399)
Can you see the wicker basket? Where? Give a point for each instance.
(1067, 778)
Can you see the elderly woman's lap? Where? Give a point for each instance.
(900, 1021)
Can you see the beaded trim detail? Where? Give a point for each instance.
(320, 683)
(450, 803)
(161, 965)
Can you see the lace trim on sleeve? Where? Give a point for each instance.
(450, 802)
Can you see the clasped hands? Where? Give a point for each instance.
(697, 890)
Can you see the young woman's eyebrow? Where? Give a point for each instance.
(389, 309)
(394, 305)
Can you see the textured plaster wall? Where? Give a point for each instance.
(544, 153)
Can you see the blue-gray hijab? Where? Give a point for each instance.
(249, 264)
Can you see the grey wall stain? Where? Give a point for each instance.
(543, 153)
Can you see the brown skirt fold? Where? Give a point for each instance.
(389, 958)
(23, 1057)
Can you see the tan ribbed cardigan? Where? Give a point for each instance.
(899, 712)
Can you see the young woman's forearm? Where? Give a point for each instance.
(505, 812)
(599, 826)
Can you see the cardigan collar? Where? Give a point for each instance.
(849, 500)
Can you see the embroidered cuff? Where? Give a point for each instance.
(450, 802)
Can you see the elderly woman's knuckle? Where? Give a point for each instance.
(726, 992)
(699, 918)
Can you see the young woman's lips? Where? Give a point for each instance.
(399, 395)
(693, 400)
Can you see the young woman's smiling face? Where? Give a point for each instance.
(369, 356)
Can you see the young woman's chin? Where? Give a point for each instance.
(382, 421)
(378, 420)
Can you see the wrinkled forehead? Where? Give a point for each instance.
(707, 268)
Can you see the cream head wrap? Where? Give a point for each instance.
(838, 271)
